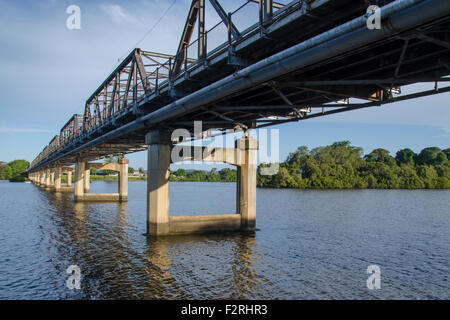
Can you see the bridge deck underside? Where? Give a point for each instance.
(417, 55)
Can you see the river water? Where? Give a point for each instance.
(310, 245)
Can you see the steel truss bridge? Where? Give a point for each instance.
(304, 59)
(298, 61)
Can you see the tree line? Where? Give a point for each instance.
(337, 166)
(342, 166)
(223, 175)
(13, 170)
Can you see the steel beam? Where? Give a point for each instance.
(225, 19)
(186, 37)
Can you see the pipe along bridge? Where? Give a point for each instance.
(290, 62)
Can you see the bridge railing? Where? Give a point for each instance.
(137, 76)
(71, 130)
(54, 144)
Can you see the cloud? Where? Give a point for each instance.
(446, 131)
(23, 130)
(116, 13)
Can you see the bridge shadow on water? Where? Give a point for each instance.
(107, 242)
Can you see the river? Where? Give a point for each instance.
(309, 245)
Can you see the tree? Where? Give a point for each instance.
(18, 167)
(381, 155)
(227, 175)
(340, 166)
(429, 176)
(405, 156)
(130, 170)
(5, 171)
(447, 153)
(180, 173)
(431, 156)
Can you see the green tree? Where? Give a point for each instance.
(341, 166)
(447, 153)
(431, 156)
(429, 176)
(180, 173)
(405, 156)
(130, 170)
(409, 178)
(213, 175)
(18, 167)
(5, 171)
(227, 175)
(381, 155)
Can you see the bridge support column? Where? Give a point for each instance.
(69, 179)
(87, 178)
(247, 149)
(52, 179)
(123, 179)
(121, 167)
(41, 178)
(243, 156)
(79, 179)
(47, 178)
(159, 149)
(58, 179)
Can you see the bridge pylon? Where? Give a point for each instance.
(82, 181)
(160, 151)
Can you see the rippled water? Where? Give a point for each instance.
(311, 245)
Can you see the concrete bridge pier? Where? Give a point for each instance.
(44, 178)
(64, 187)
(58, 171)
(123, 179)
(47, 183)
(158, 165)
(159, 221)
(69, 178)
(52, 179)
(41, 178)
(87, 179)
(79, 180)
(246, 182)
(82, 181)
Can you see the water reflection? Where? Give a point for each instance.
(311, 245)
(116, 262)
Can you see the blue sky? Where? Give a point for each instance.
(48, 71)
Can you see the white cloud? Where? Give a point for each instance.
(117, 14)
(446, 131)
(23, 130)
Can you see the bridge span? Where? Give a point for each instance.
(295, 61)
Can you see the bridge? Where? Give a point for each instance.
(292, 62)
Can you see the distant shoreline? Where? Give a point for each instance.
(177, 179)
